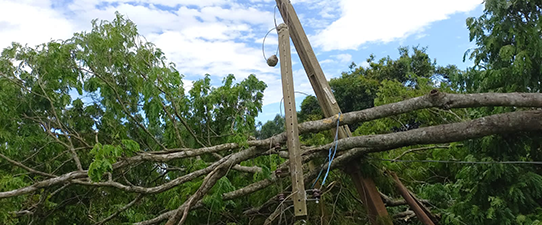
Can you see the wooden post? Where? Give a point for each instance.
(294, 150)
(365, 186)
(411, 202)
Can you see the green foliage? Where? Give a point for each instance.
(508, 53)
(105, 156)
(507, 59)
(107, 94)
(272, 127)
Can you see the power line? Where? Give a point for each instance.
(461, 162)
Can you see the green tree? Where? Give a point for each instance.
(79, 106)
(508, 55)
(272, 127)
(507, 59)
(357, 89)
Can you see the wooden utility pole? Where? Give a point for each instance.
(365, 186)
(414, 205)
(294, 150)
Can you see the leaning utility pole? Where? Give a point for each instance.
(292, 130)
(364, 185)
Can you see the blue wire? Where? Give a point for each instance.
(320, 173)
(335, 151)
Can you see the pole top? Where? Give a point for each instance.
(281, 27)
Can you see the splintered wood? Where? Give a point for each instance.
(294, 151)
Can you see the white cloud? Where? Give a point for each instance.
(170, 3)
(196, 56)
(39, 23)
(187, 85)
(216, 37)
(420, 36)
(365, 21)
(327, 61)
(220, 37)
(344, 58)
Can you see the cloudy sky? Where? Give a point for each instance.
(222, 37)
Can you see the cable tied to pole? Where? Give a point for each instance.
(331, 154)
(272, 60)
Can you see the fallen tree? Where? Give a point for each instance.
(353, 147)
(135, 147)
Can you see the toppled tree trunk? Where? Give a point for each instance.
(357, 146)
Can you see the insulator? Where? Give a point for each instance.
(281, 197)
(272, 61)
(316, 193)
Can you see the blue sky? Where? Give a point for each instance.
(222, 37)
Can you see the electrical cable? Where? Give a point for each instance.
(330, 157)
(335, 151)
(265, 37)
(461, 162)
(280, 104)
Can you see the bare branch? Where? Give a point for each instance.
(42, 184)
(501, 123)
(247, 169)
(70, 147)
(433, 99)
(209, 181)
(124, 208)
(119, 99)
(26, 167)
(164, 156)
(420, 149)
(495, 124)
(158, 219)
(22, 213)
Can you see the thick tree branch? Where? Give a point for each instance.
(495, 124)
(158, 219)
(397, 202)
(42, 184)
(247, 169)
(433, 99)
(404, 216)
(230, 159)
(501, 123)
(164, 156)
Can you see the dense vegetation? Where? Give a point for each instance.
(90, 104)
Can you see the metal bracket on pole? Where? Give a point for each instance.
(294, 150)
